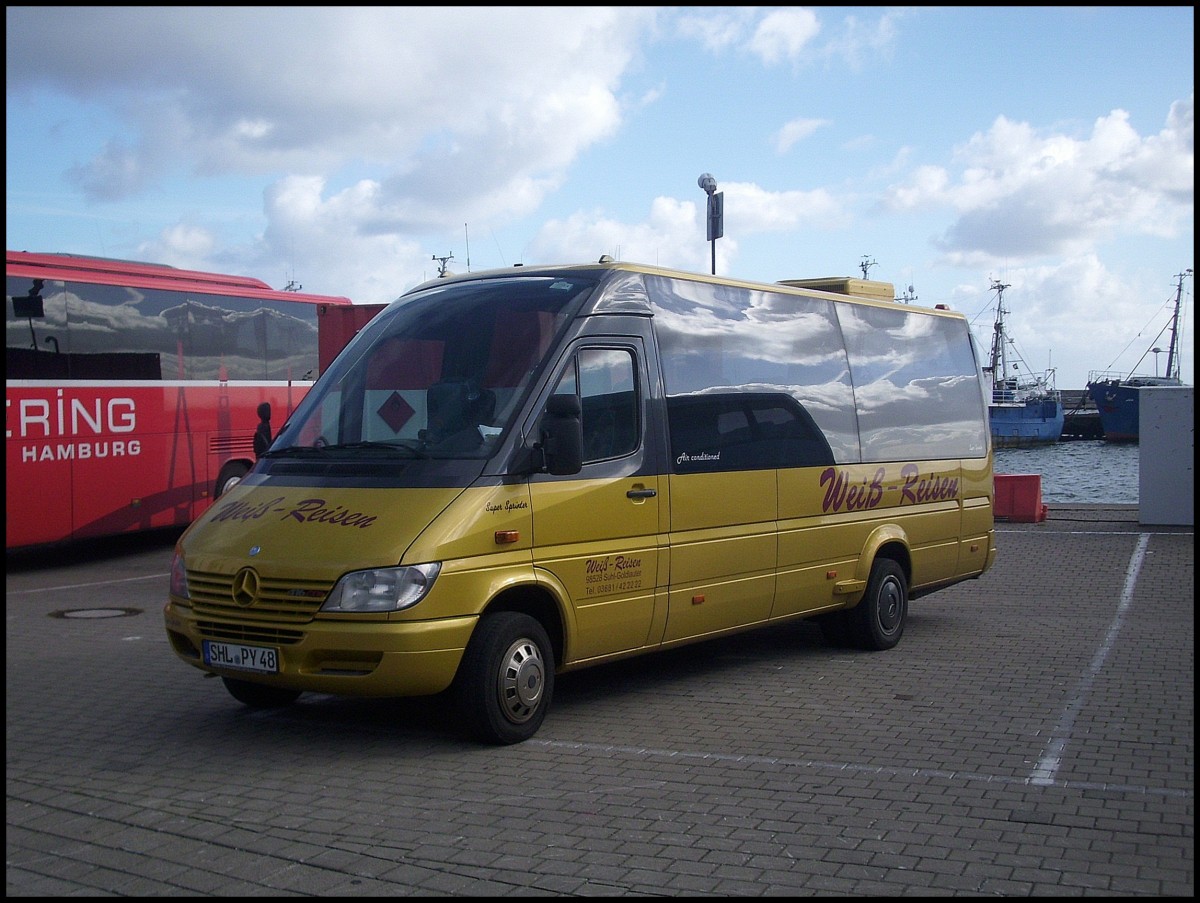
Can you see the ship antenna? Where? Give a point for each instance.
(999, 357)
(866, 265)
(1173, 369)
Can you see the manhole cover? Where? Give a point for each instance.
(97, 613)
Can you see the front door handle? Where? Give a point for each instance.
(641, 493)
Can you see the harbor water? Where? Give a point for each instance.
(1082, 471)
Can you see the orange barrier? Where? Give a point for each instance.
(1019, 498)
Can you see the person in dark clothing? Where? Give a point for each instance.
(262, 435)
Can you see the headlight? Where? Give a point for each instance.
(179, 584)
(382, 589)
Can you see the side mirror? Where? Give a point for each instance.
(562, 435)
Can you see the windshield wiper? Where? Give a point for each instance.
(292, 450)
(405, 449)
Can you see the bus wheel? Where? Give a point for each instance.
(259, 696)
(231, 474)
(506, 678)
(877, 622)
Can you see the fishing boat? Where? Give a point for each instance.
(1116, 394)
(1026, 409)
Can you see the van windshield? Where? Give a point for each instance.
(440, 373)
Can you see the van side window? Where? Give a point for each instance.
(743, 431)
(916, 385)
(604, 381)
(729, 339)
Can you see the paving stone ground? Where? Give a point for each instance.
(1032, 735)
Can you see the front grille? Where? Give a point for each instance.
(277, 600)
(248, 633)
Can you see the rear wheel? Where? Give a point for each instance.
(259, 696)
(877, 622)
(506, 678)
(231, 474)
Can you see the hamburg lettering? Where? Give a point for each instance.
(71, 424)
(82, 451)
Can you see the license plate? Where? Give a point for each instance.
(261, 659)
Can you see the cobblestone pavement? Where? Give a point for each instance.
(1032, 735)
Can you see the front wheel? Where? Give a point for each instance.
(231, 474)
(259, 696)
(877, 622)
(506, 678)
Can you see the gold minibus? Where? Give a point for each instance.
(511, 474)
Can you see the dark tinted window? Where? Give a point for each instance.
(743, 431)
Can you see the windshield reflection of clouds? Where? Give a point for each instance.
(214, 335)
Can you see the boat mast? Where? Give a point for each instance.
(999, 356)
(1173, 369)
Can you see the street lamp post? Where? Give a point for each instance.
(716, 212)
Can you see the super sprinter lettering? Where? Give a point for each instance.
(306, 511)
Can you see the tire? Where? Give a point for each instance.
(259, 696)
(877, 622)
(231, 474)
(506, 678)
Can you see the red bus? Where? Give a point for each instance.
(133, 389)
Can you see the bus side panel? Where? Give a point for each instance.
(977, 551)
(927, 496)
(723, 551)
(817, 548)
(827, 516)
(37, 489)
(148, 481)
(142, 456)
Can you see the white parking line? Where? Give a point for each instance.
(1048, 764)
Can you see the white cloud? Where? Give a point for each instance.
(796, 130)
(782, 35)
(1019, 194)
(247, 90)
(719, 28)
(668, 237)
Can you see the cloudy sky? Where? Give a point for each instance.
(344, 149)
